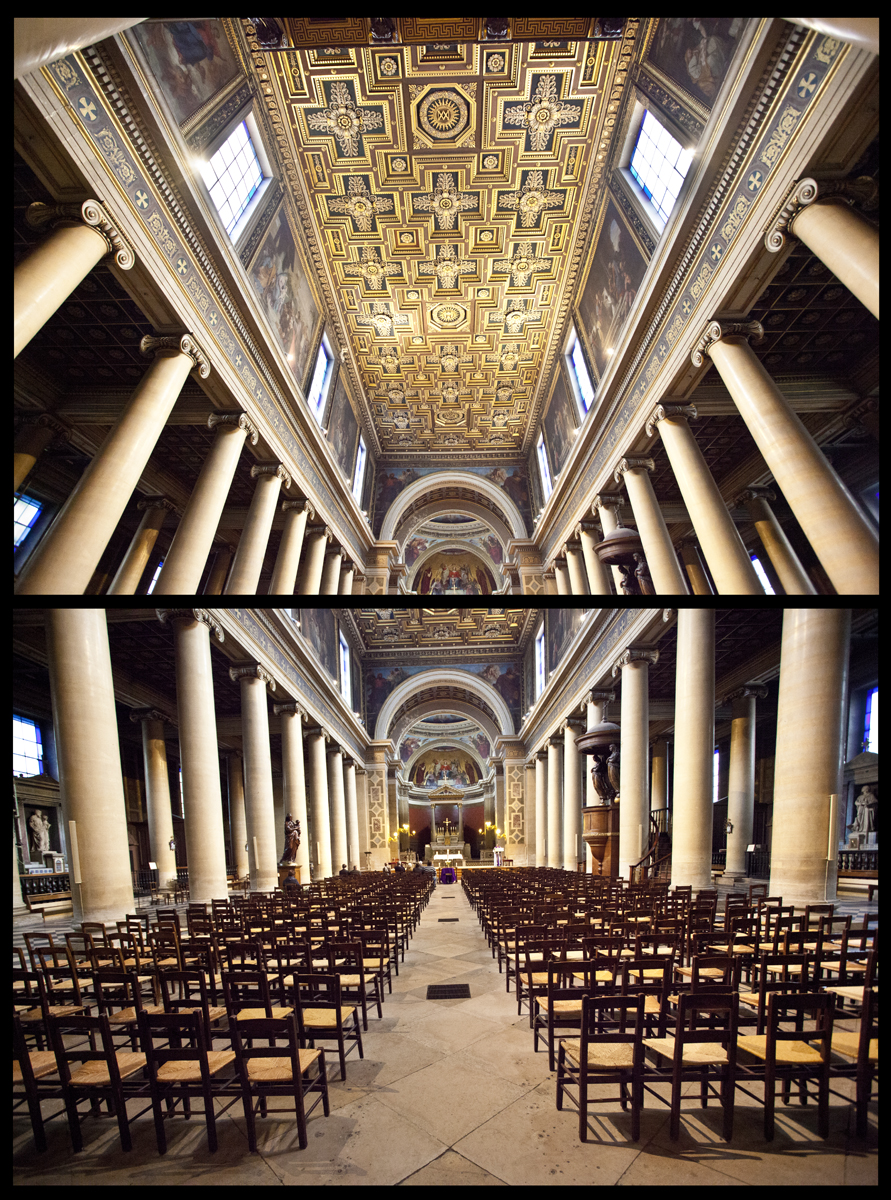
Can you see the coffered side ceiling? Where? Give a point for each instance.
(450, 188)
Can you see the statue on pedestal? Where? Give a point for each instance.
(292, 841)
(865, 812)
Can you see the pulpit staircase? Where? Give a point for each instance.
(656, 863)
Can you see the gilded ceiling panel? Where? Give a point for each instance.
(446, 183)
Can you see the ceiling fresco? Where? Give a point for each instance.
(447, 184)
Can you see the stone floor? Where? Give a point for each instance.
(450, 1092)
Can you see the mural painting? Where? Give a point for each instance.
(560, 423)
(285, 295)
(454, 572)
(562, 626)
(320, 628)
(617, 268)
(696, 52)
(191, 60)
(445, 765)
(343, 429)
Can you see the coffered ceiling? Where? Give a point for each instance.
(448, 184)
(456, 632)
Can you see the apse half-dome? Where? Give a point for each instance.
(452, 571)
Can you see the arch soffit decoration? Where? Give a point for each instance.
(461, 679)
(464, 508)
(466, 548)
(426, 486)
(426, 707)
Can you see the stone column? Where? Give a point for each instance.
(741, 779)
(216, 579)
(634, 766)
(699, 581)
(294, 772)
(659, 777)
(40, 40)
(284, 573)
(555, 800)
(606, 509)
(657, 545)
(576, 566)
(237, 819)
(259, 809)
(352, 814)
(157, 792)
(187, 556)
(598, 583)
(572, 794)
(320, 850)
(725, 553)
(809, 758)
(82, 235)
(818, 215)
(364, 817)
(842, 538)
(550, 583)
(561, 574)
(129, 573)
(541, 808)
(337, 808)
(66, 558)
(90, 781)
(32, 439)
(199, 753)
(776, 545)
(347, 574)
(529, 821)
(330, 580)
(694, 742)
(245, 573)
(309, 577)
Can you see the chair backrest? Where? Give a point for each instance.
(246, 989)
(88, 1031)
(59, 972)
(730, 966)
(615, 1019)
(191, 991)
(634, 981)
(247, 1036)
(172, 1037)
(116, 989)
(819, 1006)
(35, 940)
(707, 1016)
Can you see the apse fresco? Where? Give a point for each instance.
(445, 766)
(506, 678)
(560, 423)
(696, 52)
(285, 295)
(514, 480)
(617, 268)
(191, 60)
(454, 573)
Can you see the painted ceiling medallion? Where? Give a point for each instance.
(544, 112)
(344, 120)
(445, 202)
(531, 199)
(360, 204)
(448, 315)
(443, 114)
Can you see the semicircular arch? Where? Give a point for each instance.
(426, 707)
(429, 486)
(455, 679)
(413, 520)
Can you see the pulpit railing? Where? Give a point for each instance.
(656, 862)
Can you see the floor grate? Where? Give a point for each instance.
(447, 919)
(448, 991)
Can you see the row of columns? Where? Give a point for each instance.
(808, 763)
(91, 785)
(68, 554)
(842, 538)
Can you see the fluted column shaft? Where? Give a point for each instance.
(812, 703)
(184, 562)
(199, 753)
(294, 774)
(727, 557)
(245, 573)
(337, 808)
(572, 794)
(346, 579)
(157, 794)
(555, 801)
(634, 783)
(541, 808)
(694, 709)
(352, 814)
(88, 752)
(607, 508)
(309, 577)
(575, 564)
(216, 578)
(321, 824)
(284, 574)
(66, 558)
(842, 538)
(665, 570)
(237, 819)
(129, 573)
(259, 807)
(741, 779)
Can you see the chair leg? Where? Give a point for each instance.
(583, 1103)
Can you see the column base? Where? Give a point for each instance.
(284, 869)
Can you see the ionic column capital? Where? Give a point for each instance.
(254, 671)
(720, 330)
(316, 731)
(92, 213)
(336, 748)
(745, 691)
(316, 530)
(47, 421)
(609, 502)
(587, 526)
(755, 493)
(156, 502)
(191, 614)
(150, 714)
(663, 411)
(241, 420)
(632, 654)
(185, 344)
(595, 696)
(862, 192)
(571, 723)
(630, 463)
(276, 469)
(299, 506)
(555, 738)
(291, 708)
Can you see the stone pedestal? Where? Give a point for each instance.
(284, 870)
(601, 835)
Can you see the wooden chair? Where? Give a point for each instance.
(322, 1015)
(180, 1066)
(247, 996)
(194, 995)
(119, 998)
(781, 974)
(610, 1050)
(273, 1070)
(862, 1046)
(784, 1055)
(559, 1007)
(35, 1079)
(345, 958)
